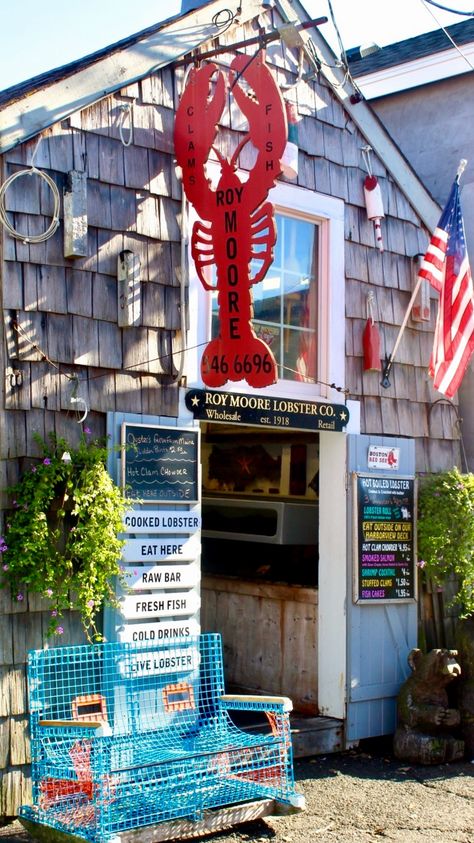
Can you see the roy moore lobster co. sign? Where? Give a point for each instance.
(237, 224)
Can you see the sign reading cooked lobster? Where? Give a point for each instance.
(237, 225)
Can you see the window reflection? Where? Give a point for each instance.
(285, 302)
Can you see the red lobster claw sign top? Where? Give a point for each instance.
(237, 224)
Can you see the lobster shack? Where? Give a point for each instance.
(209, 261)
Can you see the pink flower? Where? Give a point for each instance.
(90, 604)
(59, 630)
(5, 567)
(49, 592)
(54, 613)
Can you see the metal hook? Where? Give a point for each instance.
(461, 168)
(366, 150)
(82, 401)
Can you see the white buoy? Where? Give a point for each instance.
(374, 205)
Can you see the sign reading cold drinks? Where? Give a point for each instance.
(385, 551)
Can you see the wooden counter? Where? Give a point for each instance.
(269, 633)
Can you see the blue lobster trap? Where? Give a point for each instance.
(129, 735)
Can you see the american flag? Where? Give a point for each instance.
(446, 267)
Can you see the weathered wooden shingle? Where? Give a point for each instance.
(111, 166)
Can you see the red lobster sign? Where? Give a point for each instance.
(237, 224)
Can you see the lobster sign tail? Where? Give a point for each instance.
(236, 232)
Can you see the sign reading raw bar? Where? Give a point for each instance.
(266, 410)
(384, 527)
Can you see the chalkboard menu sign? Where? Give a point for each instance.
(385, 540)
(160, 464)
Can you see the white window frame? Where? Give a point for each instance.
(328, 213)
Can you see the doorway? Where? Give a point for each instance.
(260, 557)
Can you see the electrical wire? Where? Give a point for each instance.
(74, 377)
(447, 9)
(223, 25)
(448, 36)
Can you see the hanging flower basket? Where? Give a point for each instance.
(62, 534)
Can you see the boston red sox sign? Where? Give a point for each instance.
(237, 224)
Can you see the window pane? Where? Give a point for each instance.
(285, 302)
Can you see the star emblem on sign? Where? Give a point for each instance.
(343, 415)
(195, 401)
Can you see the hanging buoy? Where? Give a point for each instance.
(371, 341)
(374, 205)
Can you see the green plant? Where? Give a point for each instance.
(446, 533)
(61, 539)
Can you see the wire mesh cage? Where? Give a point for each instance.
(126, 735)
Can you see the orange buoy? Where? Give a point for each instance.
(371, 346)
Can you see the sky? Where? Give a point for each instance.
(41, 36)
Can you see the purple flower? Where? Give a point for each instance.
(59, 630)
(5, 567)
(49, 592)
(421, 563)
(33, 468)
(46, 461)
(20, 597)
(90, 604)
(87, 430)
(54, 613)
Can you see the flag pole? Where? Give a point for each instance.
(389, 359)
(385, 382)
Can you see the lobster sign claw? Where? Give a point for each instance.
(237, 223)
(195, 130)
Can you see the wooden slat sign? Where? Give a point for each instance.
(157, 521)
(171, 604)
(158, 632)
(160, 662)
(162, 549)
(152, 577)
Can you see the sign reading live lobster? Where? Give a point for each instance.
(236, 224)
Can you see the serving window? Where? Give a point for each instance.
(260, 506)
